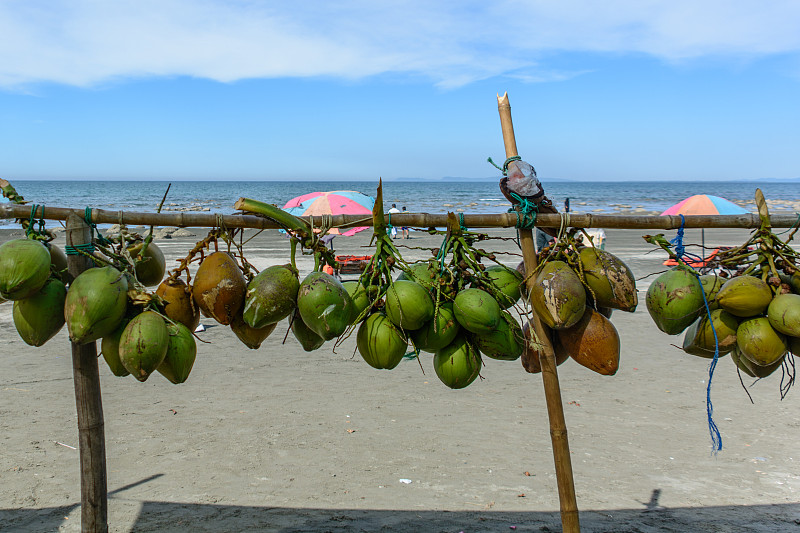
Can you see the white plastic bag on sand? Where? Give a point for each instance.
(522, 179)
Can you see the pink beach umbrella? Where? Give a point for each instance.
(333, 203)
(704, 204)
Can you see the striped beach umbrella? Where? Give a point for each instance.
(333, 203)
(704, 204)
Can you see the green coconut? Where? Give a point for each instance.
(271, 296)
(58, 263)
(605, 311)
(251, 337)
(477, 311)
(752, 369)
(742, 363)
(96, 303)
(380, 342)
(675, 300)
(457, 364)
(794, 346)
(711, 285)
(143, 344)
(699, 338)
(794, 281)
(408, 305)
(558, 296)
(181, 353)
(759, 342)
(592, 342)
(437, 332)
(24, 268)
(324, 305)
(507, 284)
(783, 313)
(611, 281)
(359, 298)
(151, 267)
(506, 342)
(744, 296)
(309, 340)
(424, 273)
(109, 348)
(39, 317)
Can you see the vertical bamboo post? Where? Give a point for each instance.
(91, 432)
(570, 522)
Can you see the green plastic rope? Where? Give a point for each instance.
(441, 255)
(504, 168)
(79, 249)
(461, 222)
(796, 222)
(87, 216)
(31, 231)
(526, 211)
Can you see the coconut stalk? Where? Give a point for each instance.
(570, 522)
(89, 404)
(301, 230)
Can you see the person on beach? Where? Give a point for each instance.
(393, 210)
(543, 240)
(404, 230)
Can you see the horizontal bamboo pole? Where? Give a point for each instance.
(423, 220)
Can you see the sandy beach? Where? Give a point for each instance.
(280, 440)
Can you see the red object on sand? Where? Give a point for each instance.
(695, 264)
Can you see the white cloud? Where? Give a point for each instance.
(88, 42)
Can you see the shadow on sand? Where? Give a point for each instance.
(178, 517)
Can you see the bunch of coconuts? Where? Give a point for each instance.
(320, 307)
(425, 310)
(757, 322)
(95, 306)
(573, 295)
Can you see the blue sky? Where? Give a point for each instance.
(239, 89)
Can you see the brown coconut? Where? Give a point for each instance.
(593, 342)
(532, 351)
(219, 287)
(180, 306)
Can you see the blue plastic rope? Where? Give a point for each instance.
(680, 249)
(680, 252)
(716, 437)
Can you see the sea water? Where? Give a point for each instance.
(435, 196)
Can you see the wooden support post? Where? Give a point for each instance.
(570, 522)
(91, 433)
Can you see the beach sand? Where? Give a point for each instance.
(281, 440)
